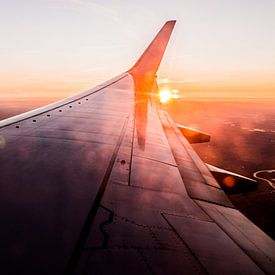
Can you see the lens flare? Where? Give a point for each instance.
(2, 142)
(229, 181)
(175, 96)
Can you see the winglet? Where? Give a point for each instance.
(149, 61)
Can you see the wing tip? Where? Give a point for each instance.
(172, 21)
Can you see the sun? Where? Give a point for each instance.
(166, 95)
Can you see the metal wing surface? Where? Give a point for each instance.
(105, 183)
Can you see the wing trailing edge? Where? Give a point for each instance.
(231, 182)
(193, 135)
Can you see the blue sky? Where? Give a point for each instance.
(64, 46)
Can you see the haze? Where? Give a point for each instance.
(51, 49)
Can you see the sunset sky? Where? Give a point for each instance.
(54, 48)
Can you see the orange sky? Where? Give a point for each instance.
(52, 49)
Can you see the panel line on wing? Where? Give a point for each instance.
(155, 160)
(71, 266)
(244, 242)
(179, 236)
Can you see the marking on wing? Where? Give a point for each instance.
(92, 214)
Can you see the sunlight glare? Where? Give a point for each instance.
(175, 96)
(165, 96)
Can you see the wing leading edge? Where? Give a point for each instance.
(105, 182)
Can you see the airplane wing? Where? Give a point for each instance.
(105, 182)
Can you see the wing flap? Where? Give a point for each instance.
(199, 182)
(232, 182)
(193, 135)
(248, 236)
